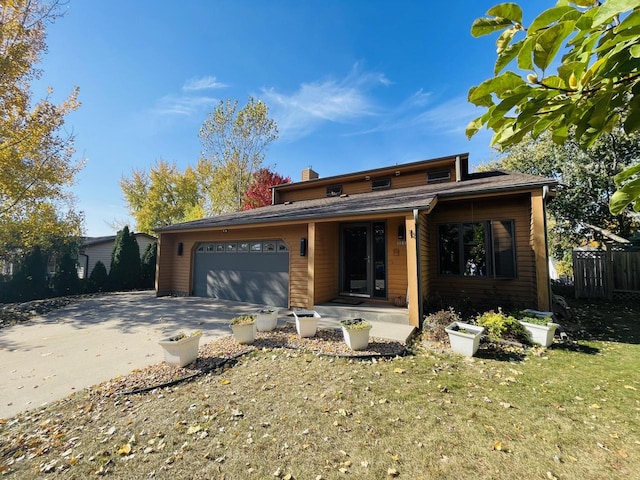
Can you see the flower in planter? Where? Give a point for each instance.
(243, 320)
(355, 324)
(181, 336)
(537, 320)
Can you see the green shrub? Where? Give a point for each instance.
(98, 280)
(125, 261)
(148, 266)
(500, 326)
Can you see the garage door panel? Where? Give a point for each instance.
(267, 288)
(255, 277)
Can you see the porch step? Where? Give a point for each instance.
(387, 321)
(368, 312)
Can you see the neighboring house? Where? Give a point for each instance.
(94, 249)
(404, 231)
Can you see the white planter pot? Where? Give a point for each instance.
(356, 338)
(244, 333)
(306, 322)
(266, 321)
(464, 343)
(182, 351)
(542, 334)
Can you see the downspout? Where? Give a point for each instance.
(545, 194)
(418, 269)
(458, 169)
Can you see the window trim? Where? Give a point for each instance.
(334, 191)
(381, 186)
(490, 244)
(439, 176)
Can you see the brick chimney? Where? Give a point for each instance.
(309, 174)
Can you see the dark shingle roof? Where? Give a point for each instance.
(384, 201)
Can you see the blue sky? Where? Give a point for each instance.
(352, 84)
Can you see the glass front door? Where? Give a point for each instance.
(363, 271)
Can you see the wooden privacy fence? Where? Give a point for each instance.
(605, 273)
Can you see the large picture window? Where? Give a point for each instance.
(477, 249)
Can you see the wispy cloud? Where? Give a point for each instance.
(190, 100)
(330, 100)
(423, 114)
(182, 104)
(203, 83)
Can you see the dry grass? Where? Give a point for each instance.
(567, 412)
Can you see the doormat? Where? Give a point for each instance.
(347, 301)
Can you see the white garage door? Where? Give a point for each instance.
(248, 271)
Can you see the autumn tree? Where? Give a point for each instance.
(234, 141)
(259, 192)
(574, 72)
(585, 180)
(162, 196)
(35, 159)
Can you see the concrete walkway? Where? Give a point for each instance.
(98, 338)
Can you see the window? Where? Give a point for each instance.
(334, 191)
(381, 183)
(477, 249)
(442, 176)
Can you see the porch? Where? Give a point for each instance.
(388, 321)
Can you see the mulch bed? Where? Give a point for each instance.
(224, 351)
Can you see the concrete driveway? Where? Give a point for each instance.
(98, 338)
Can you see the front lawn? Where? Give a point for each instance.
(570, 411)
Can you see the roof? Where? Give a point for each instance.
(383, 201)
(90, 241)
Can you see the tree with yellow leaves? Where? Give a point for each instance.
(36, 161)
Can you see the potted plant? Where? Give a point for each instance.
(356, 333)
(541, 329)
(181, 349)
(306, 322)
(266, 319)
(464, 338)
(244, 328)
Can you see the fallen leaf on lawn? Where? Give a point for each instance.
(392, 472)
(630, 387)
(596, 405)
(623, 453)
(364, 464)
(194, 429)
(399, 370)
(124, 449)
(614, 435)
(225, 381)
(395, 458)
(505, 405)
(602, 446)
(551, 476)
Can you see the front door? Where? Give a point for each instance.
(363, 272)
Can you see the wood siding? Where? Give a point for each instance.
(326, 262)
(176, 272)
(311, 192)
(397, 281)
(482, 290)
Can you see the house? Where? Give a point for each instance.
(94, 249)
(385, 235)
